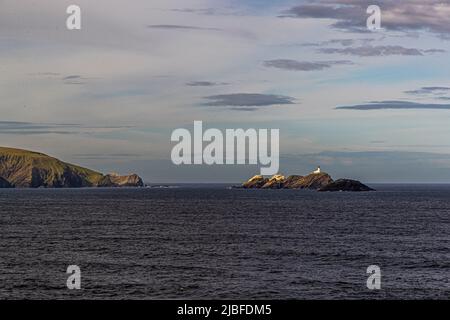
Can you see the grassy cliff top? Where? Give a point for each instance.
(39, 158)
(18, 166)
(20, 152)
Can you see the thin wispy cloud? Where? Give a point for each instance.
(374, 51)
(429, 90)
(230, 11)
(98, 156)
(180, 27)
(72, 77)
(398, 105)
(247, 101)
(29, 128)
(341, 42)
(44, 74)
(434, 51)
(294, 65)
(75, 79)
(33, 128)
(207, 11)
(205, 84)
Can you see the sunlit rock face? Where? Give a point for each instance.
(292, 181)
(275, 182)
(114, 180)
(255, 182)
(312, 181)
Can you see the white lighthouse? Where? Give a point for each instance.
(317, 171)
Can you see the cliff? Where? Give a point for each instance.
(28, 169)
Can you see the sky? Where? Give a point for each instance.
(369, 105)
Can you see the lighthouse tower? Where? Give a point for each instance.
(317, 171)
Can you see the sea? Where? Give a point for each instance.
(214, 242)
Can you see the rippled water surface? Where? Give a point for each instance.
(211, 242)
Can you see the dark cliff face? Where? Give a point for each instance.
(346, 185)
(4, 183)
(27, 169)
(67, 178)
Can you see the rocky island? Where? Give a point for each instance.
(317, 180)
(28, 169)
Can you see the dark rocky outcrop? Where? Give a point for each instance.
(4, 183)
(346, 185)
(114, 180)
(28, 169)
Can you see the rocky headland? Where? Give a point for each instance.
(28, 169)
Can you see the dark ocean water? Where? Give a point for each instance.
(199, 242)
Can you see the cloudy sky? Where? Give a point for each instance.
(368, 105)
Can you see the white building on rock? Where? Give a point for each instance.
(317, 171)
